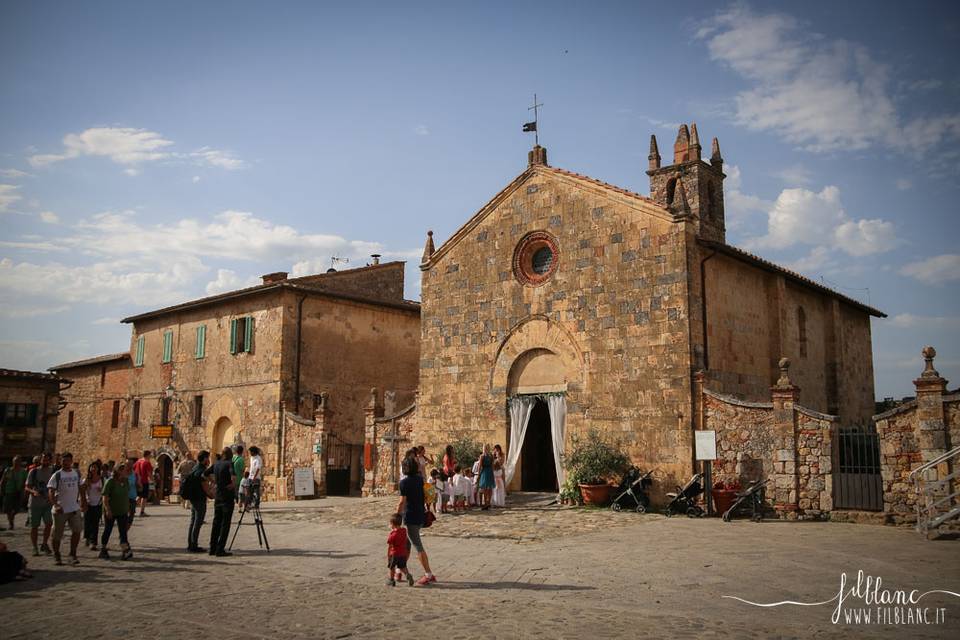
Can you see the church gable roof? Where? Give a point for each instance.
(600, 188)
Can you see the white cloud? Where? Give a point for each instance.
(49, 217)
(816, 260)
(32, 245)
(819, 93)
(421, 130)
(217, 158)
(123, 145)
(740, 209)
(8, 195)
(934, 270)
(794, 175)
(36, 355)
(32, 312)
(131, 148)
(196, 179)
(13, 174)
(911, 321)
(903, 184)
(228, 280)
(802, 216)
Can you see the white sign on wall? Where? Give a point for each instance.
(303, 481)
(706, 444)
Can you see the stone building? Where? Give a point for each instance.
(567, 303)
(286, 365)
(28, 413)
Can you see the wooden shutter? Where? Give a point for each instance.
(167, 346)
(248, 338)
(201, 341)
(138, 357)
(233, 336)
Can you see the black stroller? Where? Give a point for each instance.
(753, 495)
(632, 492)
(685, 499)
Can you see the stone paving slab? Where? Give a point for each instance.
(647, 577)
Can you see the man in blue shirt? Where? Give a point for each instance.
(411, 507)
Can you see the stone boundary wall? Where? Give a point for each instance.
(303, 443)
(386, 440)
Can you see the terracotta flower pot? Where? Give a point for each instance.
(722, 499)
(595, 494)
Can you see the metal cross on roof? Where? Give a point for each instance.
(536, 132)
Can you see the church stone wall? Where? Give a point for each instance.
(618, 296)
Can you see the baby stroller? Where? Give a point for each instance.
(685, 499)
(632, 492)
(753, 495)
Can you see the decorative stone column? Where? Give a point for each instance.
(931, 428)
(372, 411)
(321, 419)
(784, 395)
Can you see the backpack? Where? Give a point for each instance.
(190, 487)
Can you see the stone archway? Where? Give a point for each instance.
(538, 334)
(166, 468)
(223, 424)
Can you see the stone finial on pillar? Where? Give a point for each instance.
(428, 248)
(929, 353)
(715, 158)
(784, 380)
(694, 142)
(654, 156)
(537, 155)
(681, 146)
(931, 417)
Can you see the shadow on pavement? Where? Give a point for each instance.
(308, 553)
(524, 586)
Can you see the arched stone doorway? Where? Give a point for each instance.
(224, 434)
(535, 373)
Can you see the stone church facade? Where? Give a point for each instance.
(565, 287)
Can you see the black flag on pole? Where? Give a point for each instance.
(529, 126)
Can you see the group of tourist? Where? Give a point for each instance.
(56, 494)
(454, 487)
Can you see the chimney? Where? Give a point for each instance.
(376, 258)
(277, 276)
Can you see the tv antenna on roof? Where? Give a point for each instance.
(335, 260)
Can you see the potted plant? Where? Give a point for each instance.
(724, 493)
(591, 463)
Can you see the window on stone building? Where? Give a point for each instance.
(164, 410)
(138, 354)
(70, 422)
(802, 331)
(197, 411)
(241, 335)
(167, 346)
(201, 341)
(671, 190)
(115, 417)
(18, 415)
(103, 375)
(135, 414)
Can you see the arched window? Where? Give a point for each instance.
(802, 331)
(671, 190)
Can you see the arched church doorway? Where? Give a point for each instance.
(224, 435)
(165, 469)
(537, 469)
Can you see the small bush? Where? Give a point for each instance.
(466, 450)
(593, 459)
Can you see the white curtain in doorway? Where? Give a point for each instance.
(520, 409)
(557, 405)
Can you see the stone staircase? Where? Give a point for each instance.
(937, 487)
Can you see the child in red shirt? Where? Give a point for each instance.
(398, 549)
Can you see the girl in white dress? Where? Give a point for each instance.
(500, 490)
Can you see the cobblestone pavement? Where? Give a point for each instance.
(527, 572)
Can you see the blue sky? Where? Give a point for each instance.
(156, 152)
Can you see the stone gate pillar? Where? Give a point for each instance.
(321, 418)
(931, 427)
(371, 444)
(784, 395)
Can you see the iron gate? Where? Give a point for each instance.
(857, 483)
(343, 466)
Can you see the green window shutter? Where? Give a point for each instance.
(233, 336)
(201, 341)
(138, 358)
(167, 346)
(248, 338)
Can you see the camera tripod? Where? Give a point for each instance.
(257, 522)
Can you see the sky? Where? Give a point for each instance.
(152, 153)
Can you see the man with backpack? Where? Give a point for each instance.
(39, 505)
(68, 503)
(193, 489)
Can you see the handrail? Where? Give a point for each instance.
(942, 457)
